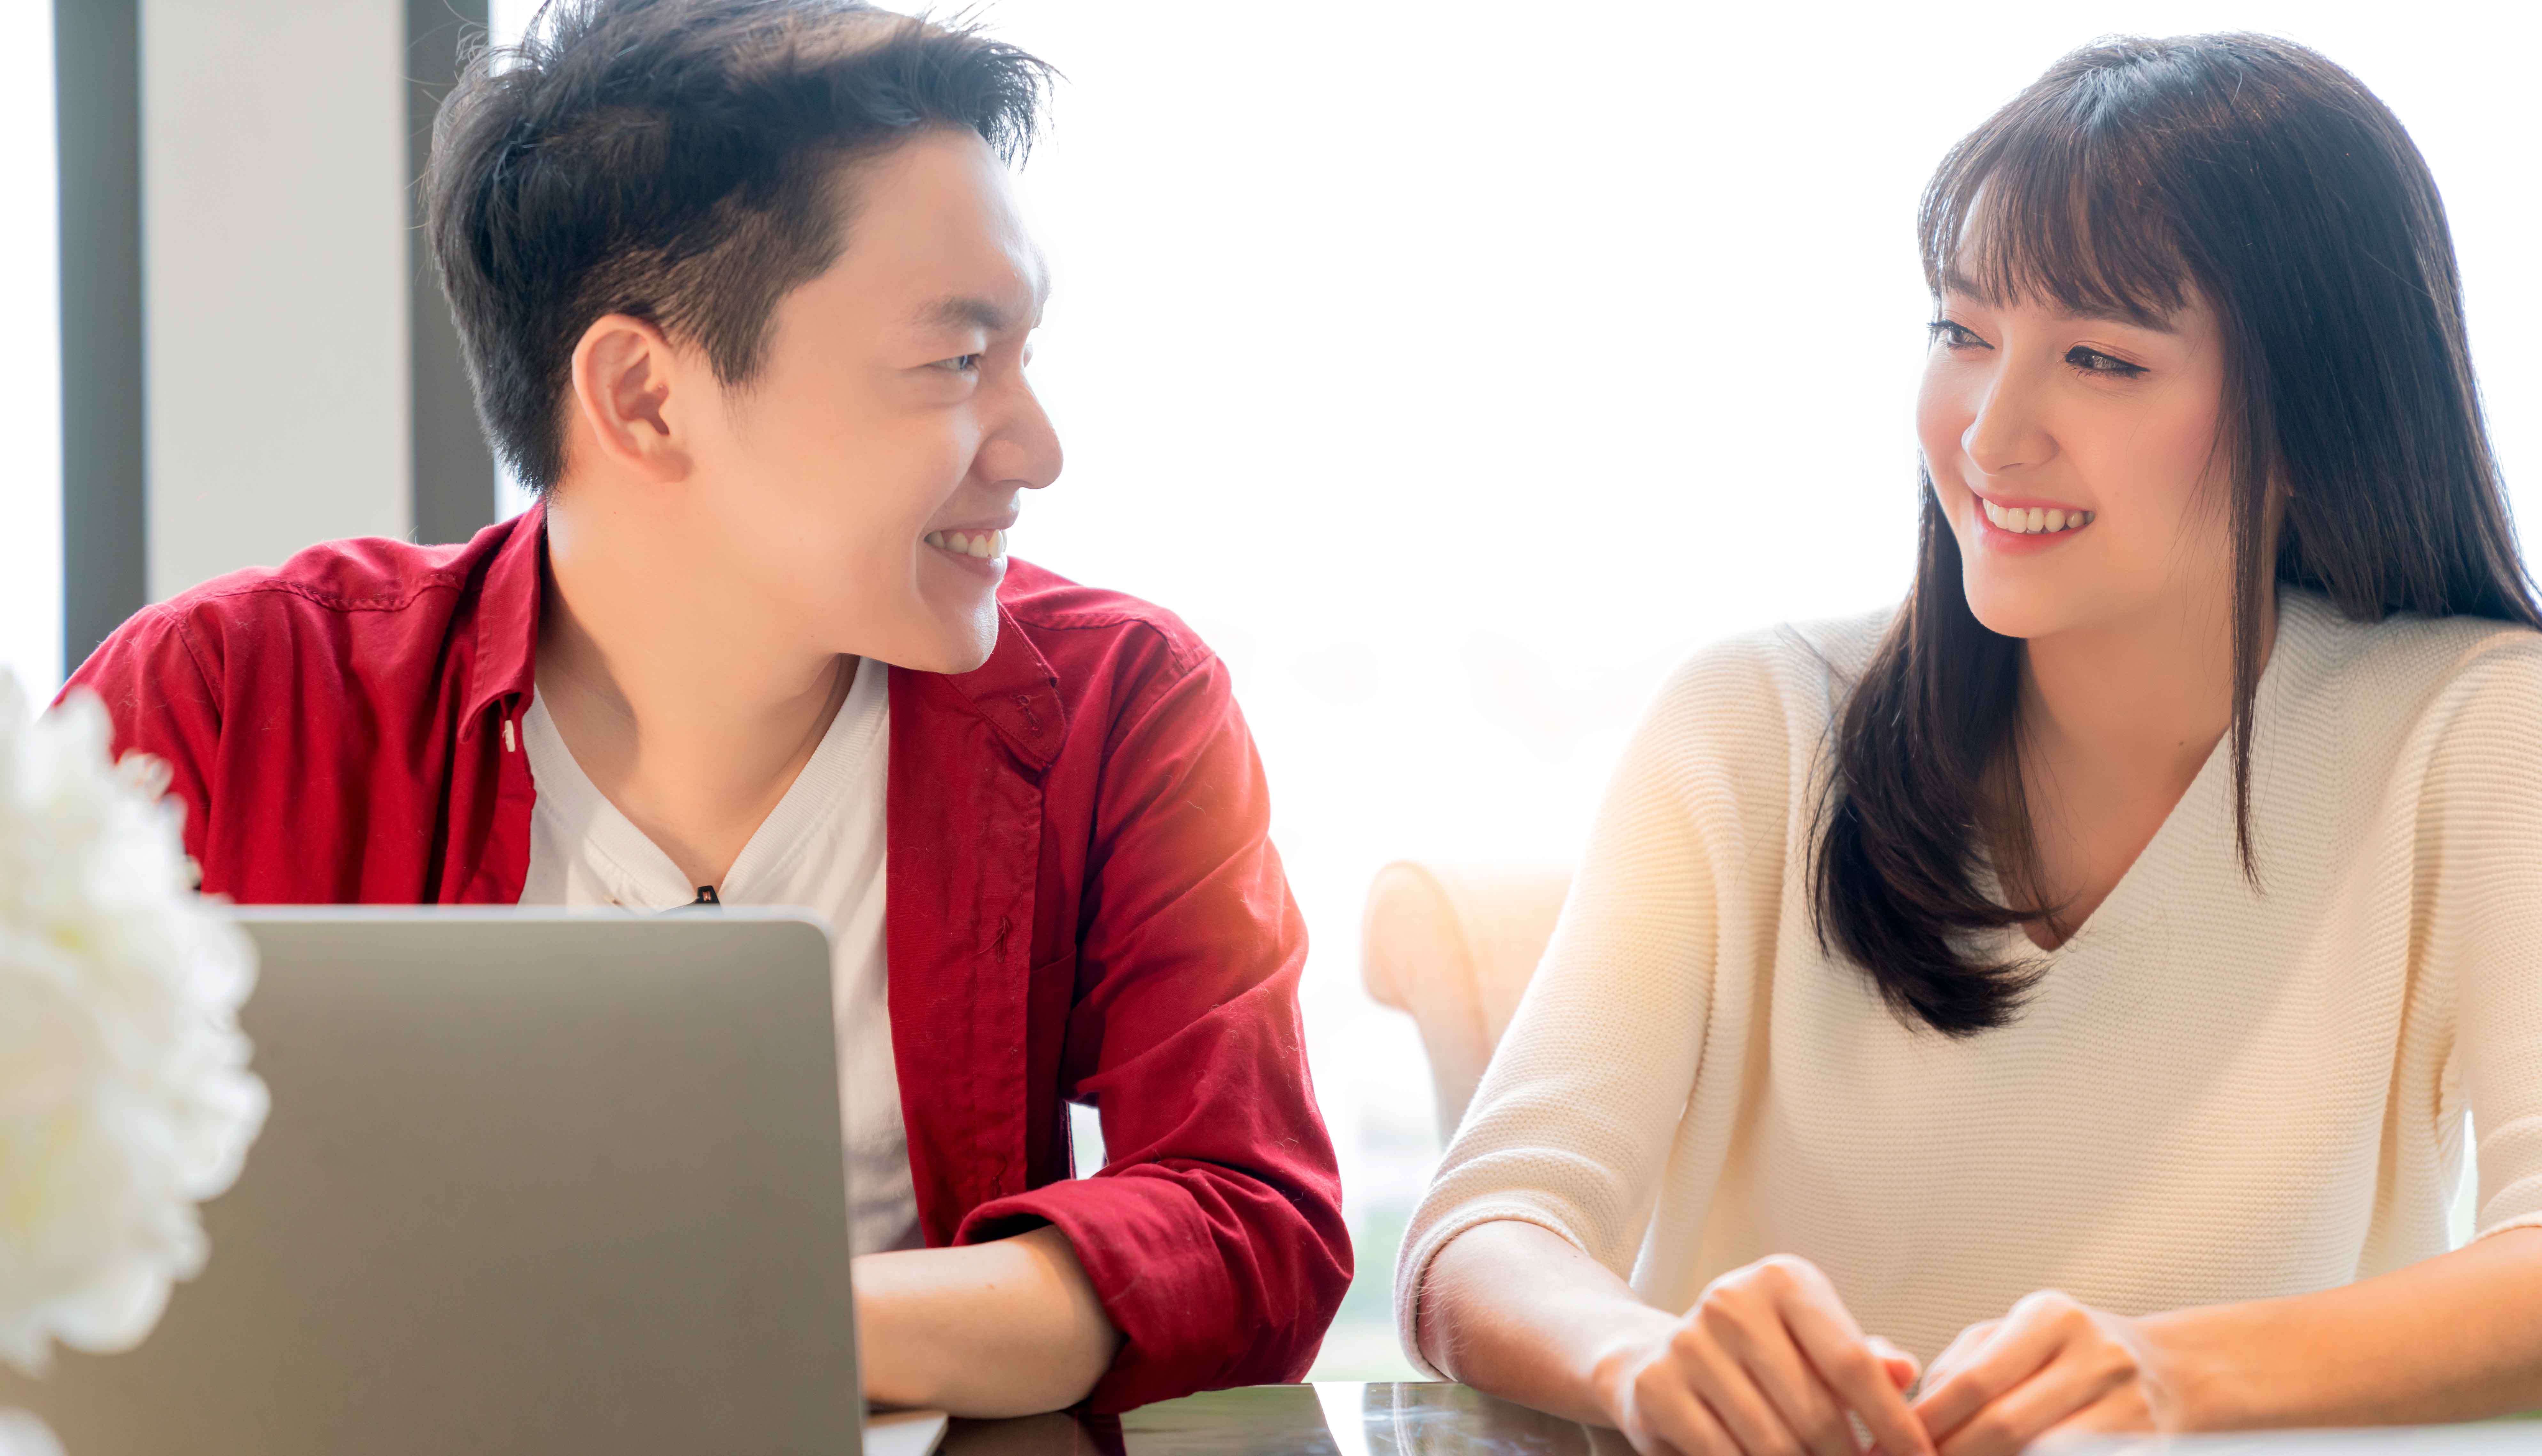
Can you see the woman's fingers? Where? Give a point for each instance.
(1844, 1358)
(2016, 1349)
(1898, 1363)
(1717, 1360)
(1956, 1353)
(1670, 1413)
(2046, 1402)
(2121, 1411)
(1769, 1363)
(1722, 1379)
(1801, 1401)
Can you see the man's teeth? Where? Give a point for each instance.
(988, 546)
(2036, 519)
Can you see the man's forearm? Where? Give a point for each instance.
(1006, 1328)
(2455, 1338)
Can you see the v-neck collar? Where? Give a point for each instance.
(642, 875)
(849, 750)
(2192, 818)
(2203, 809)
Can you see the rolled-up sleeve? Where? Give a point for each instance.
(1214, 1233)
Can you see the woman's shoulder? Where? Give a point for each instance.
(1780, 685)
(2405, 660)
(1803, 660)
(2385, 696)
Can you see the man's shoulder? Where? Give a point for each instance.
(361, 577)
(1072, 623)
(367, 598)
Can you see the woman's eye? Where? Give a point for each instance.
(1951, 335)
(2093, 361)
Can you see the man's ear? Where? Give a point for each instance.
(628, 389)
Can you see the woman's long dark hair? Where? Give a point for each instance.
(2258, 176)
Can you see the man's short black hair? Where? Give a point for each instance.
(678, 160)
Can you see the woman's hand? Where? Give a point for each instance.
(1767, 1364)
(2050, 1368)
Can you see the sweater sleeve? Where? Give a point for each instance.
(1575, 1117)
(2480, 859)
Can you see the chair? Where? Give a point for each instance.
(1453, 945)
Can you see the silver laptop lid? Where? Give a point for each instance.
(532, 1183)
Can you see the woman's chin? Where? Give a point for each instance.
(2020, 610)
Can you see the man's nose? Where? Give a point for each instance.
(1026, 450)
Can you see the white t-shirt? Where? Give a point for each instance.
(820, 848)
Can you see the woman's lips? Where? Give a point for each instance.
(2035, 520)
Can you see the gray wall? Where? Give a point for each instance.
(275, 274)
(97, 85)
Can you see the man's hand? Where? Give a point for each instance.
(1007, 1328)
(2050, 1368)
(1767, 1362)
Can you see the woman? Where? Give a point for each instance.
(2077, 977)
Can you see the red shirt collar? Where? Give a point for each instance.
(506, 659)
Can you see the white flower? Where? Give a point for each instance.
(124, 1095)
(21, 1434)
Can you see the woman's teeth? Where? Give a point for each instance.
(2036, 519)
(988, 546)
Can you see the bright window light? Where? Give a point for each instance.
(30, 367)
(1458, 367)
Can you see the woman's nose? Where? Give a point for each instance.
(2008, 432)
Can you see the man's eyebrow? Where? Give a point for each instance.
(970, 311)
(965, 310)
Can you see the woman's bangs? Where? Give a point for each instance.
(2042, 215)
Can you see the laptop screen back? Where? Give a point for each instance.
(530, 1182)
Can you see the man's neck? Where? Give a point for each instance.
(686, 712)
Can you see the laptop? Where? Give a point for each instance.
(533, 1182)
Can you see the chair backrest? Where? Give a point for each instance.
(1453, 945)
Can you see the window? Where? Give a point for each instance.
(1454, 375)
(30, 387)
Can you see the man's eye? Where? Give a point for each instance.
(1953, 336)
(2093, 361)
(961, 363)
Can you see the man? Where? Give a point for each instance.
(746, 297)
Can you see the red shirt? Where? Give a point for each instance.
(1083, 900)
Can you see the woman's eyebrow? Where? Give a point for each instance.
(2134, 318)
(2114, 312)
(1955, 281)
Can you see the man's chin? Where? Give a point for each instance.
(969, 660)
(953, 648)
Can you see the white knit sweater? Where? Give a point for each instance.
(2216, 1093)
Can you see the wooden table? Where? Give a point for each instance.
(1417, 1419)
